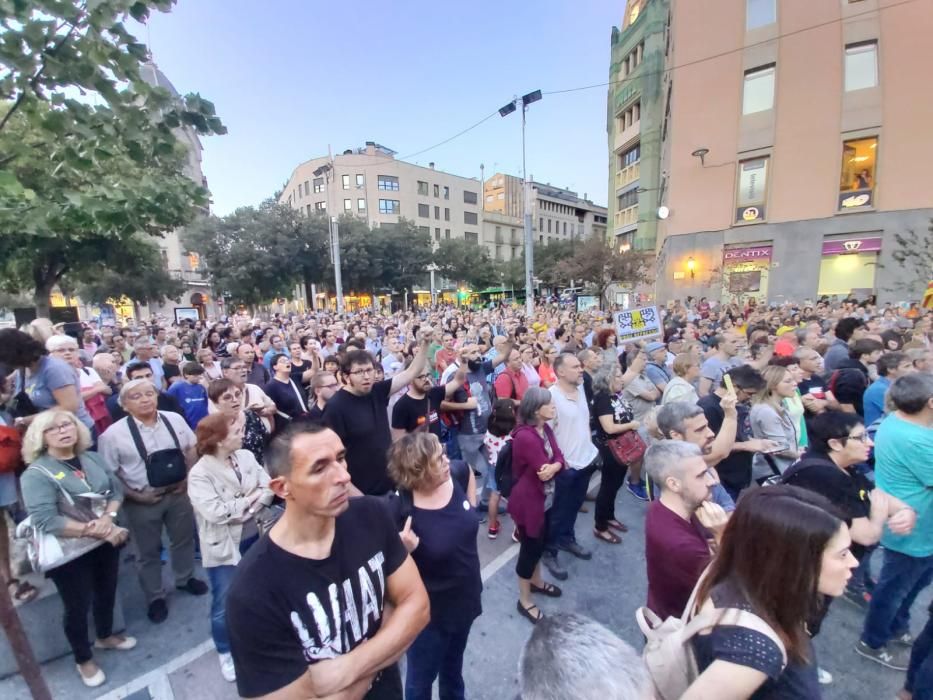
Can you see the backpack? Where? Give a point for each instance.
(504, 470)
(668, 653)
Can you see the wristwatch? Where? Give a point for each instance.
(112, 514)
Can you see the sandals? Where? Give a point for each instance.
(607, 536)
(22, 591)
(528, 615)
(548, 589)
(618, 525)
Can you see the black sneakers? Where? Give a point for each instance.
(158, 611)
(194, 587)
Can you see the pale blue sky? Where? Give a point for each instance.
(289, 77)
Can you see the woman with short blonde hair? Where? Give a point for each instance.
(681, 388)
(438, 526)
(62, 473)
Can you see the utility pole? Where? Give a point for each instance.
(335, 246)
(527, 193)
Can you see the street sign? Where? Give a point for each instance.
(637, 324)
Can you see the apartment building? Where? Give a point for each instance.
(796, 136)
(634, 120)
(371, 183)
(557, 213)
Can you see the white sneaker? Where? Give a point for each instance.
(226, 667)
(824, 676)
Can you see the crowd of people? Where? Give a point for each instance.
(332, 473)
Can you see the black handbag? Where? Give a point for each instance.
(163, 467)
(21, 406)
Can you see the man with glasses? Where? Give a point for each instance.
(358, 413)
(323, 387)
(141, 370)
(419, 409)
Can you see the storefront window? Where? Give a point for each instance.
(752, 191)
(857, 180)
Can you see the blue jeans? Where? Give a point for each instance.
(569, 495)
(920, 672)
(220, 578)
(436, 652)
(902, 578)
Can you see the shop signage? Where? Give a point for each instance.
(741, 255)
(750, 215)
(856, 199)
(852, 245)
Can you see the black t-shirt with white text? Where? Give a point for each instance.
(362, 422)
(285, 612)
(419, 415)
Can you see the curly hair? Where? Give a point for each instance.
(19, 350)
(602, 338)
(411, 459)
(34, 441)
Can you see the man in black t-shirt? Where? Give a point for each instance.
(419, 409)
(307, 595)
(358, 413)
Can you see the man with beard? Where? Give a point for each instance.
(679, 526)
(358, 413)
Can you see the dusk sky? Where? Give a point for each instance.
(290, 77)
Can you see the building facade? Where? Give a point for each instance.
(795, 160)
(634, 118)
(370, 183)
(558, 214)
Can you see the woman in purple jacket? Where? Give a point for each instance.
(536, 460)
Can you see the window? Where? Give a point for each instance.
(447, 233)
(759, 13)
(861, 66)
(489, 198)
(437, 190)
(446, 192)
(626, 200)
(469, 217)
(345, 182)
(446, 214)
(425, 230)
(424, 211)
(541, 223)
(361, 205)
(752, 191)
(565, 228)
(298, 196)
(758, 95)
(630, 157)
(549, 225)
(319, 184)
(471, 237)
(422, 188)
(388, 206)
(437, 234)
(857, 180)
(388, 183)
(360, 180)
(437, 212)
(320, 206)
(308, 210)
(348, 205)
(469, 197)
(307, 191)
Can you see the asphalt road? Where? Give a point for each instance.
(176, 659)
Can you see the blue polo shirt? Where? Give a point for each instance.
(873, 400)
(903, 469)
(193, 400)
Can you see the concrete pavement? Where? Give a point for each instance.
(176, 659)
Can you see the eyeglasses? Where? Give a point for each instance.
(861, 437)
(66, 350)
(329, 386)
(423, 376)
(362, 372)
(60, 428)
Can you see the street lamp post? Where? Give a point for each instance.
(327, 170)
(506, 110)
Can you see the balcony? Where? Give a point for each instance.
(627, 175)
(626, 217)
(626, 136)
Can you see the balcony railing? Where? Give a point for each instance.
(626, 217)
(627, 175)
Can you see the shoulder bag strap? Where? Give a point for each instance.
(171, 430)
(137, 438)
(49, 474)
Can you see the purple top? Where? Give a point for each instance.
(526, 502)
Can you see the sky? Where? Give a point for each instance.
(291, 77)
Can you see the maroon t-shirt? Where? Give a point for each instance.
(676, 551)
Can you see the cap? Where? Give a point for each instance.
(654, 346)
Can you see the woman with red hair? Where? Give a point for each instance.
(606, 341)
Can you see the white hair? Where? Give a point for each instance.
(571, 656)
(666, 458)
(57, 342)
(134, 384)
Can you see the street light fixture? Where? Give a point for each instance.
(692, 266)
(327, 170)
(504, 111)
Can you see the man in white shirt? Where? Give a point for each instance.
(572, 428)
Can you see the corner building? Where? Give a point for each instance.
(797, 142)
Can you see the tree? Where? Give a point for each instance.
(549, 262)
(600, 264)
(406, 255)
(141, 278)
(251, 253)
(465, 263)
(361, 256)
(79, 179)
(914, 254)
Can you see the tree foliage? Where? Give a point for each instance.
(600, 264)
(79, 179)
(914, 255)
(465, 263)
(141, 276)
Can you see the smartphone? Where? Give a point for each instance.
(728, 382)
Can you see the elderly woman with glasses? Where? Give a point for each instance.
(227, 397)
(227, 487)
(41, 381)
(93, 388)
(56, 449)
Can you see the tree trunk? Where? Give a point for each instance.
(41, 299)
(44, 277)
(19, 644)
